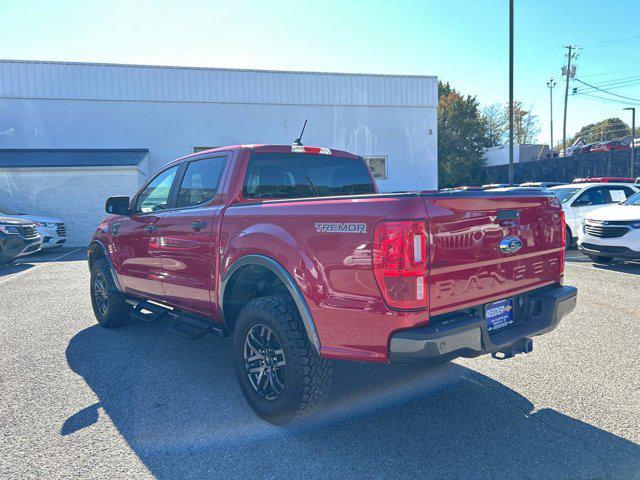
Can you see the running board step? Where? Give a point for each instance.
(193, 327)
(145, 311)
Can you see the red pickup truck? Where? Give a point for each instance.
(292, 250)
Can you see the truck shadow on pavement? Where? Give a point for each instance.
(177, 404)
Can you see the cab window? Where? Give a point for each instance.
(155, 195)
(200, 182)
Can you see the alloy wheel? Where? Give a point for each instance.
(100, 294)
(264, 361)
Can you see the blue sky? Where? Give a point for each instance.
(464, 42)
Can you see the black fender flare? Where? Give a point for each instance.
(287, 280)
(98, 245)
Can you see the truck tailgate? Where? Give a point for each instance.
(468, 267)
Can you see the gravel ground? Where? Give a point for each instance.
(77, 400)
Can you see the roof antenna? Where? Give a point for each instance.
(298, 141)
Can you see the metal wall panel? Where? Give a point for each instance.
(61, 80)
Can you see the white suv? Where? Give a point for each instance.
(52, 230)
(580, 199)
(612, 231)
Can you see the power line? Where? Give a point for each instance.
(612, 42)
(602, 130)
(609, 93)
(606, 74)
(605, 99)
(614, 87)
(619, 81)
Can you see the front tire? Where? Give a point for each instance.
(109, 305)
(600, 259)
(279, 372)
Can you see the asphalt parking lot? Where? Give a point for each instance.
(77, 400)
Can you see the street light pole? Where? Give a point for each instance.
(633, 139)
(551, 83)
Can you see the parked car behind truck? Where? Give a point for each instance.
(612, 232)
(580, 199)
(293, 252)
(52, 230)
(17, 239)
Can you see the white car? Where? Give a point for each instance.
(52, 230)
(612, 231)
(581, 199)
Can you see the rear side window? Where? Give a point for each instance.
(619, 194)
(297, 175)
(200, 182)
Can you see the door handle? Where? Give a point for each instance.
(199, 225)
(150, 228)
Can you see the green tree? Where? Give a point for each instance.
(608, 129)
(462, 137)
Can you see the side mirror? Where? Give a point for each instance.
(117, 206)
(581, 203)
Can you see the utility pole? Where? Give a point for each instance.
(551, 83)
(633, 139)
(569, 73)
(510, 92)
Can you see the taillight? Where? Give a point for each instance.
(400, 263)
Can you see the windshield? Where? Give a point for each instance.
(8, 211)
(564, 194)
(632, 200)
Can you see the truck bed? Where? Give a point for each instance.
(332, 265)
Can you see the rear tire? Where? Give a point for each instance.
(269, 337)
(569, 239)
(109, 305)
(600, 259)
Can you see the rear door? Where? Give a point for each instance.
(588, 201)
(136, 237)
(189, 236)
(468, 260)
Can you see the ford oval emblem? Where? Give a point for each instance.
(510, 244)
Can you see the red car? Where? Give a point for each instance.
(604, 180)
(293, 252)
(608, 146)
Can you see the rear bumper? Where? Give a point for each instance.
(466, 335)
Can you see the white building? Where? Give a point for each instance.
(100, 130)
(524, 152)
